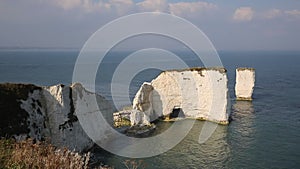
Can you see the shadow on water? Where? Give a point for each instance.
(241, 134)
(229, 146)
(243, 114)
(188, 153)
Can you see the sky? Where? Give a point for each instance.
(229, 24)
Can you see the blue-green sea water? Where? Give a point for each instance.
(264, 133)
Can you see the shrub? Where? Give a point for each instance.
(27, 154)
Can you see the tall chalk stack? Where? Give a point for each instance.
(200, 93)
(244, 85)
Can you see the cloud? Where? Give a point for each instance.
(92, 6)
(183, 8)
(243, 14)
(85, 5)
(153, 5)
(120, 6)
(272, 13)
(276, 13)
(293, 13)
(68, 4)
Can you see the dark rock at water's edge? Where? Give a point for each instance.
(140, 130)
(30, 111)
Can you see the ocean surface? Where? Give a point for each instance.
(264, 133)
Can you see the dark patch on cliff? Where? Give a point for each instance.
(245, 68)
(71, 115)
(200, 69)
(13, 118)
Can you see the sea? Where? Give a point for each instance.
(264, 133)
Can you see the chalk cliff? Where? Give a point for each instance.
(199, 93)
(245, 80)
(46, 113)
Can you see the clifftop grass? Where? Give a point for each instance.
(27, 154)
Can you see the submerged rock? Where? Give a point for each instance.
(245, 80)
(199, 93)
(47, 113)
(131, 117)
(133, 123)
(140, 130)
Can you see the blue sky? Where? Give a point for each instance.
(230, 24)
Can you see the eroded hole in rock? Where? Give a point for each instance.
(177, 112)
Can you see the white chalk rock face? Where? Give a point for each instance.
(36, 115)
(198, 92)
(245, 81)
(139, 118)
(62, 123)
(50, 113)
(143, 100)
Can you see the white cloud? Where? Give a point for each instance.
(276, 13)
(153, 5)
(122, 7)
(90, 6)
(293, 13)
(68, 4)
(181, 8)
(272, 13)
(243, 14)
(86, 5)
(119, 6)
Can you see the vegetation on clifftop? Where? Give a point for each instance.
(30, 154)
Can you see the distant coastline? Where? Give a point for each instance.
(59, 48)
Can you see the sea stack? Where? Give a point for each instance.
(199, 93)
(244, 85)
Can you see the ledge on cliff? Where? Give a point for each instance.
(199, 69)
